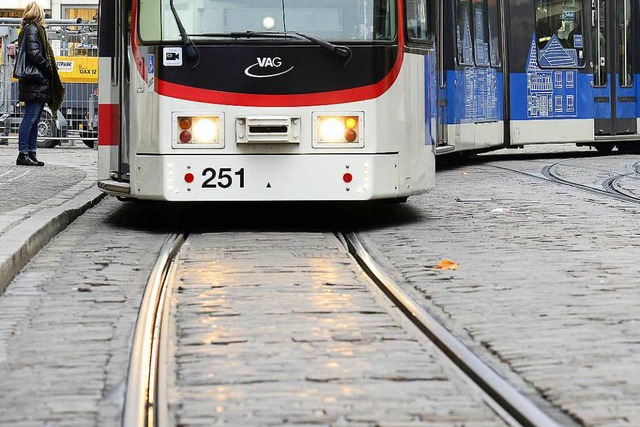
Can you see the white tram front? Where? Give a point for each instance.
(263, 100)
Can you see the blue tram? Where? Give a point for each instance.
(517, 72)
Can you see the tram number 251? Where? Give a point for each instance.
(222, 178)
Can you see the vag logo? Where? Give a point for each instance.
(269, 62)
(266, 64)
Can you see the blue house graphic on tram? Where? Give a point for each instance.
(551, 81)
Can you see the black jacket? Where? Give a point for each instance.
(35, 89)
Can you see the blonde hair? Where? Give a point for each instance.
(35, 12)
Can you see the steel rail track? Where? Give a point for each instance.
(504, 395)
(145, 401)
(608, 185)
(608, 190)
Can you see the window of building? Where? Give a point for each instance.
(80, 40)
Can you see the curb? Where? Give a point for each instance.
(23, 241)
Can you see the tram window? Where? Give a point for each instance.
(418, 20)
(625, 43)
(494, 33)
(150, 30)
(384, 18)
(481, 32)
(464, 34)
(559, 29)
(337, 20)
(601, 64)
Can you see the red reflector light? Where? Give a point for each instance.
(185, 123)
(185, 136)
(350, 135)
(188, 177)
(347, 177)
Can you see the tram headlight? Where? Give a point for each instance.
(339, 129)
(205, 130)
(194, 130)
(331, 129)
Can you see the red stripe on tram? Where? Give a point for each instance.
(108, 125)
(190, 93)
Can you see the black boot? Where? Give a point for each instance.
(32, 156)
(25, 160)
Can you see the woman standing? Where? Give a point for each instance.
(40, 88)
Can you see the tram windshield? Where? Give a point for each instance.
(335, 20)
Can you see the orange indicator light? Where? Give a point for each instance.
(185, 123)
(347, 177)
(351, 123)
(188, 177)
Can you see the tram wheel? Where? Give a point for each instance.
(604, 147)
(46, 131)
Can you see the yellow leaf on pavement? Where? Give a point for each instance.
(447, 264)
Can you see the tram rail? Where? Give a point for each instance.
(505, 398)
(146, 401)
(609, 187)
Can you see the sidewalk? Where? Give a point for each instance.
(37, 202)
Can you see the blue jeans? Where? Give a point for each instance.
(28, 133)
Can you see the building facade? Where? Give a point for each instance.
(56, 9)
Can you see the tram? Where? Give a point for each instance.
(266, 100)
(518, 72)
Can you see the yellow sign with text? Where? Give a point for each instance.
(78, 69)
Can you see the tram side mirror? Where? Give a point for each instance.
(11, 50)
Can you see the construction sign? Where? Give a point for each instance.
(78, 69)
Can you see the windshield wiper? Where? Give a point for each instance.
(343, 52)
(190, 47)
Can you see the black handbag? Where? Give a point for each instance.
(23, 69)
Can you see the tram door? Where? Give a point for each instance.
(441, 127)
(122, 69)
(126, 89)
(615, 92)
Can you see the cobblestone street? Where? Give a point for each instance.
(319, 213)
(547, 285)
(546, 292)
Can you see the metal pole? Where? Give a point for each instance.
(61, 22)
